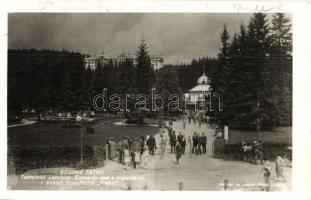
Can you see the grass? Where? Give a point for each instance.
(53, 135)
(274, 141)
(49, 145)
(281, 135)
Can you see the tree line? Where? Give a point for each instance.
(253, 73)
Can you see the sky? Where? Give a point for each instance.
(177, 37)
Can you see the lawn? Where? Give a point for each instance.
(50, 145)
(274, 141)
(281, 135)
(53, 135)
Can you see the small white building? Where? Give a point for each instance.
(195, 95)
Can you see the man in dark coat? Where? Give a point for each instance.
(183, 143)
(173, 141)
(203, 142)
(151, 143)
(199, 145)
(179, 138)
(178, 152)
(142, 143)
(195, 143)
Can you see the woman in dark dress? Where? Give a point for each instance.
(178, 152)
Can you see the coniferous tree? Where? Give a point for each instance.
(281, 35)
(126, 80)
(167, 85)
(144, 71)
(88, 88)
(257, 44)
(281, 63)
(221, 80)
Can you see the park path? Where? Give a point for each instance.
(195, 172)
(24, 123)
(204, 172)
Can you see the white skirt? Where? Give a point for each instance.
(127, 157)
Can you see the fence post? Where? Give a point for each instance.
(226, 183)
(181, 186)
(107, 152)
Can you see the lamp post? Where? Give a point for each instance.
(81, 142)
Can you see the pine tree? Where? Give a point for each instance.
(280, 34)
(126, 80)
(88, 88)
(167, 85)
(144, 71)
(257, 44)
(281, 63)
(222, 78)
(99, 82)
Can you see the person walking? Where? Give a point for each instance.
(183, 144)
(144, 158)
(195, 143)
(125, 150)
(142, 141)
(120, 151)
(173, 141)
(179, 137)
(266, 173)
(162, 146)
(203, 142)
(190, 145)
(178, 152)
(170, 122)
(200, 142)
(279, 167)
(113, 149)
(151, 143)
(136, 149)
(184, 124)
(127, 156)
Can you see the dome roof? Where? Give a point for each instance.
(203, 79)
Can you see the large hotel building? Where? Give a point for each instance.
(92, 62)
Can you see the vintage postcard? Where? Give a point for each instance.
(151, 101)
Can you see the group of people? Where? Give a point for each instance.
(199, 143)
(178, 143)
(66, 115)
(128, 151)
(252, 151)
(135, 151)
(266, 171)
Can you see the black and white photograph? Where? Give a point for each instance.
(150, 101)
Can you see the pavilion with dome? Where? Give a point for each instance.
(195, 95)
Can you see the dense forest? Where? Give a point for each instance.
(252, 72)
